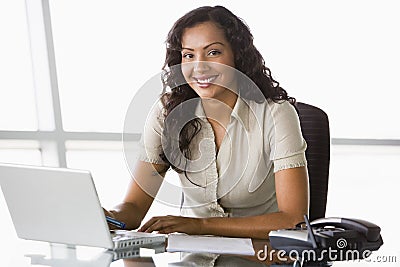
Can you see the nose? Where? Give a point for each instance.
(200, 66)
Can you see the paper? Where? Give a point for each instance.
(210, 244)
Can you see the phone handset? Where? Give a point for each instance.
(369, 230)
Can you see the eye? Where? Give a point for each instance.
(214, 52)
(187, 55)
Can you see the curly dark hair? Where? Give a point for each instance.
(247, 59)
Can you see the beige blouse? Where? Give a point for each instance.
(261, 139)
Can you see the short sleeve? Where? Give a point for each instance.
(150, 146)
(285, 138)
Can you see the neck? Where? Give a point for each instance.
(217, 110)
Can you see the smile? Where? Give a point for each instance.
(205, 81)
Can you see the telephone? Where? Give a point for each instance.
(329, 239)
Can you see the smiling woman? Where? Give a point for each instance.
(202, 44)
(239, 156)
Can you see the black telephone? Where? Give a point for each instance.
(329, 239)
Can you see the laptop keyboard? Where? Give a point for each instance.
(131, 239)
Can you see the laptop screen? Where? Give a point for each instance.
(55, 205)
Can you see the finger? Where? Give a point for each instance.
(153, 220)
(107, 213)
(156, 226)
(171, 229)
(161, 224)
(149, 223)
(181, 226)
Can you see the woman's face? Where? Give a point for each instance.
(207, 54)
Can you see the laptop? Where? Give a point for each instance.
(60, 205)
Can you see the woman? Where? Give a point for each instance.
(236, 145)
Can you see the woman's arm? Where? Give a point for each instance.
(292, 197)
(146, 182)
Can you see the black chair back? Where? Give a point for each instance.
(315, 128)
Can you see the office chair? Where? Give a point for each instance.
(315, 128)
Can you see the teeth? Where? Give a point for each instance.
(206, 80)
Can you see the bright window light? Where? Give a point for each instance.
(341, 56)
(17, 104)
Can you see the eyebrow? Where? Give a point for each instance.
(191, 49)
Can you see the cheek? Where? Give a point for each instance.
(228, 73)
(186, 71)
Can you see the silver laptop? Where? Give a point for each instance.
(61, 205)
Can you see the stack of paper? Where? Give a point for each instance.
(210, 244)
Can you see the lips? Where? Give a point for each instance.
(205, 81)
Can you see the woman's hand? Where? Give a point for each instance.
(109, 214)
(170, 224)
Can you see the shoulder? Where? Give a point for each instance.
(157, 111)
(270, 109)
(278, 118)
(271, 104)
(279, 106)
(155, 117)
(281, 111)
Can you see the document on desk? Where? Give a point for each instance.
(210, 244)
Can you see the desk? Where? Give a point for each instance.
(26, 253)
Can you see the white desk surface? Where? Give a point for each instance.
(24, 253)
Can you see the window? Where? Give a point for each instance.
(16, 112)
(20, 152)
